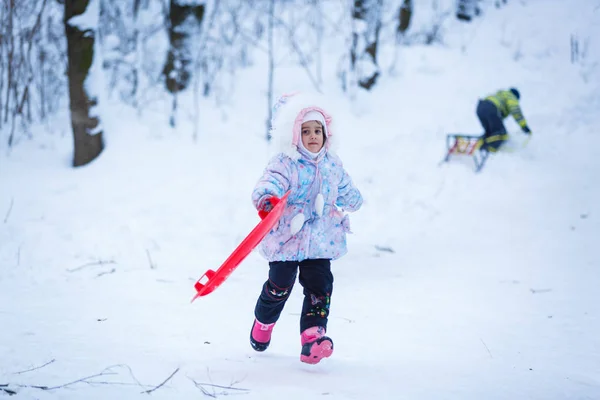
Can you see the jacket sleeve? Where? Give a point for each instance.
(515, 110)
(275, 180)
(349, 197)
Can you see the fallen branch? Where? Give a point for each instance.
(33, 369)
(201, 385)
(132, 375)
(534, 291)
(84, 380)
(12, 200)
(206, 392)
(4, 388)
(485, 345)
(152, 265)
(159, 386)
(384, 248)
(88, 379)
(91, 264)
(112, 271)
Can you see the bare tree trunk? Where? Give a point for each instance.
(363, 53)
(87, 132)
(404, 16)
(32, 34)
(184, 17)
(136, 51)
(2, 64)
(467, 9)
(177, 68)
(10, 60)
(271, 68)
(319, 27)
(1, 80)
(42, 87)
(11, 81)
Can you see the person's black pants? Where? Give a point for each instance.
(491, 120)
(317, 281)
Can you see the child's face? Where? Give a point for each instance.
(312, 136)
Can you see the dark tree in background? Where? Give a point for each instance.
(467, 9)
(365, 37)
(185, 17)
(80, 54)
(404, 16)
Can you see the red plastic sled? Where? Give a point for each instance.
(213, 279)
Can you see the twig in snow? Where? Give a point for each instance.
(137, 382)
(19, 256)
(12, 200)
(90, 264)
(204, 391)
(534, 291)
(201, 385)
(384, 248)
(485, 345)
(85, 380)
(113, 383)
(152, 265)
(88, 379)
(163, 382)
(112, 271)
(106, 371)
(4, 388)
(131, 373)
(33, 369)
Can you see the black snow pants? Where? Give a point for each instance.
(491, 120)
(317, 281)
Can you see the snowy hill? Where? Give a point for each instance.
(457, 285)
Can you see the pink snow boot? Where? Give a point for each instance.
(315, 345)
(260, 336)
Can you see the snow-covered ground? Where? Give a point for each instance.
(457, 285)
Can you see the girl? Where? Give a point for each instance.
(312, 229)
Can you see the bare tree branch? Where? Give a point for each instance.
(304, 62)
(112, 271)
(200, 384)
(33, 369)
(4, 388)
(152, 265)
(213, 394)
(12, 200)
(99, 262)
(84, 380)
(165, 381)
(132, 375)
(88, 379)
(485, 345)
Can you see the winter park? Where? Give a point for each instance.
(300, 199)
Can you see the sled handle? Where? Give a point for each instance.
(202, 287)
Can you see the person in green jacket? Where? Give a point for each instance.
(491, 112)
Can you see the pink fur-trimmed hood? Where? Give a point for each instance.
(288, 112)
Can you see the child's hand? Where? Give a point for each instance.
(267, 205)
